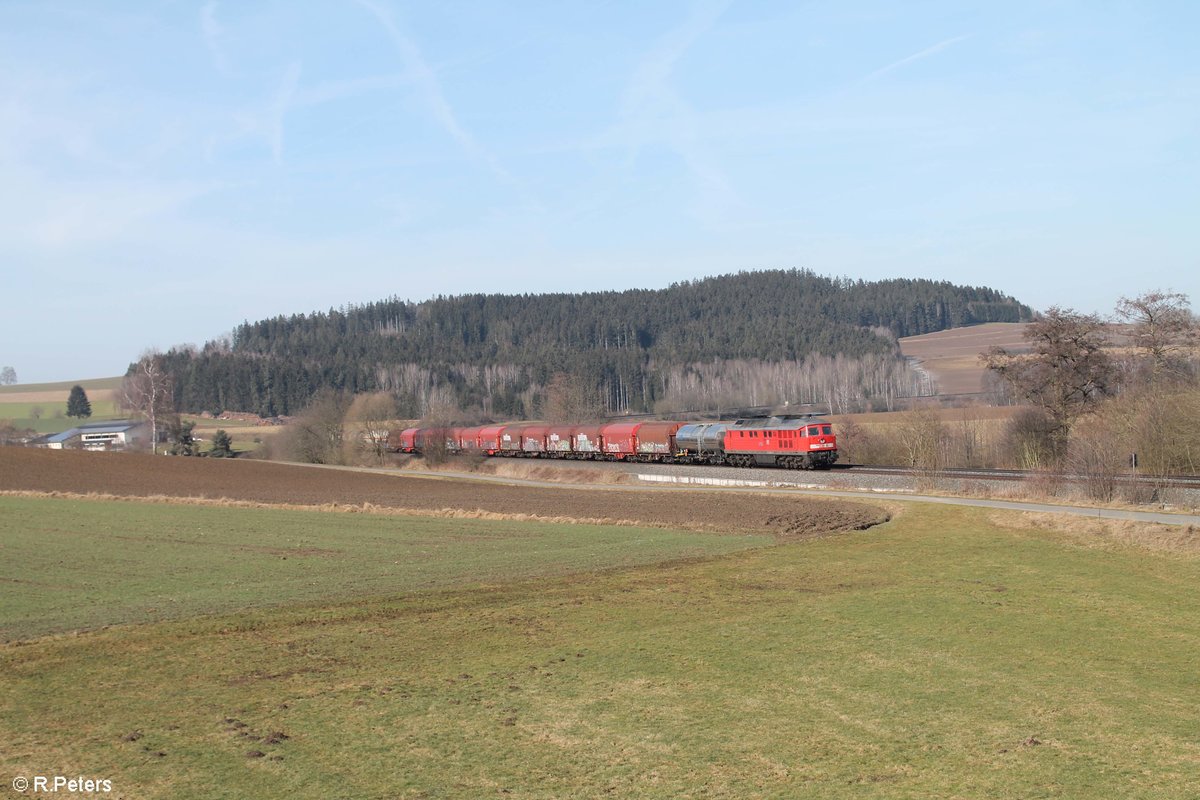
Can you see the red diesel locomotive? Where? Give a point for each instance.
(788, 441)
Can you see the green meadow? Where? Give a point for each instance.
(89, 384)
(939, 655)
(21, 415)
(48, 401)
(74, 564)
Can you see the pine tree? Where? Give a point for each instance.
(222, 445)
(78, 404)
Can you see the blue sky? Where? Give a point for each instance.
(170, 169)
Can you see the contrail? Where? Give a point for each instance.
(928, 51)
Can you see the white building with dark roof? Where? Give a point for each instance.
(115, 434)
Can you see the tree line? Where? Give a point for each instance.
(497, 354)
(1100, 399)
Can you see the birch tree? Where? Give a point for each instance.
(148, 390)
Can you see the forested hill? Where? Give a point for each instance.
(496, 352)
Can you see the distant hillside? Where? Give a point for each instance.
(951, 357)
(498, 353)
(42, 407)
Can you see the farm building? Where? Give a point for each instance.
(114, 434)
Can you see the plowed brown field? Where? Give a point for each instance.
(952, 356)
(134, 475)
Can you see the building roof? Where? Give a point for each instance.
(109, 425)
(106, 426)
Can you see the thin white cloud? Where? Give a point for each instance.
(212, 33)
(651, 78)
(45, 215)
(266, 123)
(329, 91)
(427, 85)
(928, 51)
(653, 110)
(277, 111)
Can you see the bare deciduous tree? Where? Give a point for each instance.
(1163, 327)
(853, 442)
(148, 390)
(371, 414)
(1096, 457)
(1067, 371)
(439, 420)
(569, 398)
(1156, 422)
(316, 437)
(924, 438)
(1030, 441)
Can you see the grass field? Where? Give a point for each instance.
(71, 564)
(17, 403)
(245, 436)
(89, 384)
(939, 655)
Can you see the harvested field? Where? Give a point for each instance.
(980, 413)
(952, 356)
(63, 388)
(136, 475)
(48, 396)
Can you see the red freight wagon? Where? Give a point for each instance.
(423, 437)
(558, 440)
(489, 438)
(533, 439)
(435, 438)
(510, 439)
(470, 440)
(587, 441)
(620, 438)
(402, 441)
(657, 439)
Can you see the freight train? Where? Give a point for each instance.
(789, 441)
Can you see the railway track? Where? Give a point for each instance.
(1175, 481)
(844, 474)
(850, 476)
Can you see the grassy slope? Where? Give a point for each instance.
(71, 564)
(89, 384)
(19, 415)
(936, 656)
(51, 398)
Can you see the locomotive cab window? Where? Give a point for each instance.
(827, 430)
